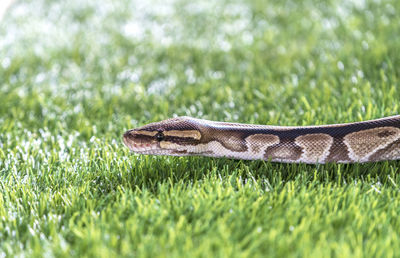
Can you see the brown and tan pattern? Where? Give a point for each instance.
(366, 141)
(259, 142)
(315, 146)
(284, 153)
(232, 142)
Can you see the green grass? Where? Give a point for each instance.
(74, 76)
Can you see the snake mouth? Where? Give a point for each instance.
(137, 144)
(143, 145)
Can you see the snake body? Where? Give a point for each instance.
(366, 141)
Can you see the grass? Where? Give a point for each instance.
(75, 75)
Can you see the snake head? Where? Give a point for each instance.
(174, 136)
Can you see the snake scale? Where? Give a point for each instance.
(358, 142)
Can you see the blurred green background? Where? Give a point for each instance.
(74, 75)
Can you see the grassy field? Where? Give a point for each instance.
(74, 75)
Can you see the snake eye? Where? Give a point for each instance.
(160, 136)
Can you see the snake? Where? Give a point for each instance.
(356, 142)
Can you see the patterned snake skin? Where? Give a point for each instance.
(373, 140)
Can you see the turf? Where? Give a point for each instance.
(74, 75)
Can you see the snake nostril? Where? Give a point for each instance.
(127, 134)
